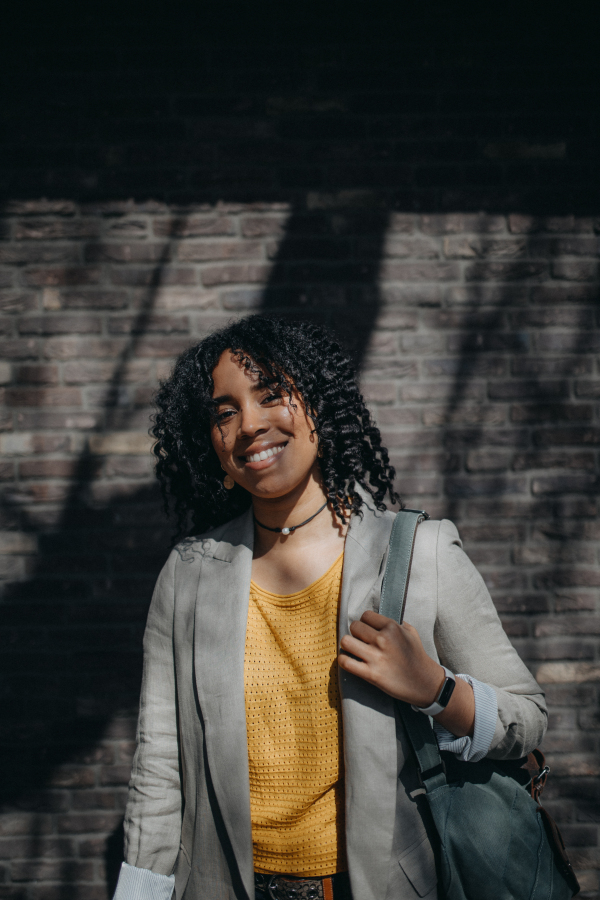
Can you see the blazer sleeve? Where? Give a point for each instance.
(470, 638)
(154, 808)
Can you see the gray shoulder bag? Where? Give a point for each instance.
(495, 839)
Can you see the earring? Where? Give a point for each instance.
(320, 452)
(228, 482)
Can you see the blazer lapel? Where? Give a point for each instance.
(370, 747)
(219, 645)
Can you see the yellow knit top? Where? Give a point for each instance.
(293, 717)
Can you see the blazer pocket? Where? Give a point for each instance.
(418, 864)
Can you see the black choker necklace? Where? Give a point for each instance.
(292, 528)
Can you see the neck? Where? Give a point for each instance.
(291, 510)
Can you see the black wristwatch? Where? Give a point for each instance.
(443, 698)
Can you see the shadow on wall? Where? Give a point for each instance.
(72, 659)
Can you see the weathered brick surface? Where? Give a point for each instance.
(433, 199)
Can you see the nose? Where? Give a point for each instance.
(253, 420)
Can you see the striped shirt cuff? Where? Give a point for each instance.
(142, 884)
(486, 715)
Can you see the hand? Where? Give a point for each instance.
(391, 657)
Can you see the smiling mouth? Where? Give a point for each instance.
(264, 454)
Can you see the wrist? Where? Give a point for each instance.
(443, 695)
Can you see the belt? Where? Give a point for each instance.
(288, 887)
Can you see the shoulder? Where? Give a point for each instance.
(216, 541)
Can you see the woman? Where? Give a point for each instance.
(261, 770)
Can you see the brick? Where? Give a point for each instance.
(590, 389)
(554, 317)
(567, 672)
(572, 341)
(57, 421)
(51, 396)
(565, 436)
(62, 275)
(473, 247)
(153, 276)
(5, 373)
(585, 625)
(418, 295)
(551, 412)
(263, 226)
(474, 486)
(521, 270)
(157, 323)
(565, 484)
(242, 299)
(487, 461)
(423, 271)
(540, 367)
(548, 294)
(539, 390)
(553, 554)
(14, 542)
(87, 299)
(74, 348)
(465, 415)
(464, 319)
(203, 251)
(88, 372)
(194, 226)
(234, 274)
(121, 443)
(175, 299)
(48, 468)
(476, 366)
(24, 444)
(575, 269)
(18, 349)
(420, 392)
(560, 578)
(130, 252)
(519, 223)
(52, 870)
(454, 223)
(17, 301)
(37, 374)
(115, 775)
(377, 392)
(60, 324)
(549, 460)
(493, 295)
(55, 229)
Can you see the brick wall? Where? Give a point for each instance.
(435, 197)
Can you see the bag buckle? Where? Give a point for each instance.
(439, 769)
(420, 511)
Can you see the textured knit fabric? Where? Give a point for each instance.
(293, 716)
(142, 884)
(486, 717)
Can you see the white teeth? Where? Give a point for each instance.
(265, 454)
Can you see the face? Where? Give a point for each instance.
(262, 441)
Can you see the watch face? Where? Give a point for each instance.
(446, 692)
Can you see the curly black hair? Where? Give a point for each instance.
(291, 355)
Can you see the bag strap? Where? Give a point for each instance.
(393, 600)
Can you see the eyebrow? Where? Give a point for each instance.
(227, 398)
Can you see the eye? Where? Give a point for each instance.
(224, 415)
(272, 397)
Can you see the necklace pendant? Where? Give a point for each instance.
(285, 530)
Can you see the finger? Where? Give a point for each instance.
(357, 648)
(355, 667)
(363, 632)
(375, 620)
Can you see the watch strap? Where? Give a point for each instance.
(442, 699)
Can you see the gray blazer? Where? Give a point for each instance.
(189, 802)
